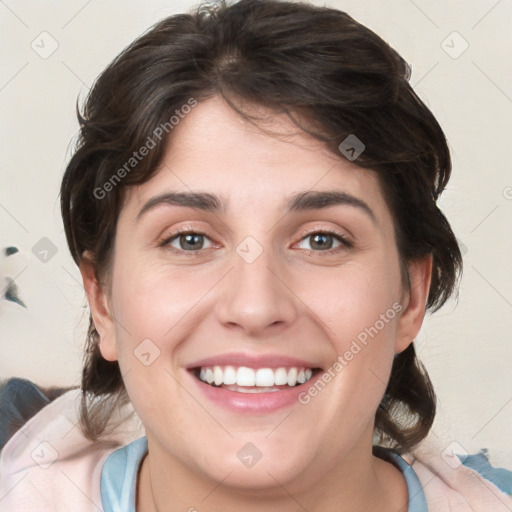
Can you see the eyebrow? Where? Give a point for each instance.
(301, 201)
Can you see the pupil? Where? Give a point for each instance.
(322, 245)
(188, 240)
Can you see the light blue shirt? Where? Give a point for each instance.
(119, 478)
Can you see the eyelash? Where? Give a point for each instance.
(345, 243)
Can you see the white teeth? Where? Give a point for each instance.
(265, 377)
(245, 376)
(281, 377)
(292, 376)
(229, 375)
(250, 378)
(217, 375)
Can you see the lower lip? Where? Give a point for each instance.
(253, 402)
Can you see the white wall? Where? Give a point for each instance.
(467, 346)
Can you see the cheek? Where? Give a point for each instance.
(353, 298)
(150, 300)
(359, 308)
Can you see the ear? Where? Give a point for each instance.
(414, 302)
(98, 303)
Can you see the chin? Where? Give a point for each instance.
(254, 463)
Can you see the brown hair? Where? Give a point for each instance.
(333, 77)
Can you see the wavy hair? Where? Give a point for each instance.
(332, 77)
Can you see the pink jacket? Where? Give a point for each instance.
(49, 465)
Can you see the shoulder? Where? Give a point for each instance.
(20, 399)
(458, 481)
(500, 477)
(48, 462)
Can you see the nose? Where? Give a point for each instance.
(256, 296)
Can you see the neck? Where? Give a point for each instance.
(357, 483)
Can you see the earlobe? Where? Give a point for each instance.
(411, 319)
(98, 304)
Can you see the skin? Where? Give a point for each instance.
(293, 299)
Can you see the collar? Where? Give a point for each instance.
(119, 477)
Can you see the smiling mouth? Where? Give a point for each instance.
(254, 380)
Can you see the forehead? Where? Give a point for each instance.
(214, 149)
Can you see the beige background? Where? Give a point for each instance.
(467, 346)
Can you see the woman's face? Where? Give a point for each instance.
(268, 279)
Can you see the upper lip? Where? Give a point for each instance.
(253, 361)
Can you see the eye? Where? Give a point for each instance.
(325, 240)
(189, 241)
(186, 241)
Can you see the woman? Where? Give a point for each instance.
(252, 206)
